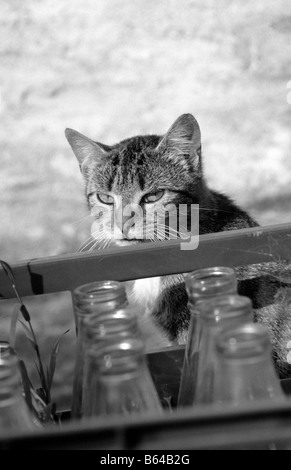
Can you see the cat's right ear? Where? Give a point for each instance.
(84, 148)
(183, 138)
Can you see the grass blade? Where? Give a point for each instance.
(53, 360)
(24, 312)
(26, 383)
(49, 413)
(40, 375)
(27, 332)
(8, 271)
(42, 394)
(13, 324)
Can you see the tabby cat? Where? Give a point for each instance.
(154, 172)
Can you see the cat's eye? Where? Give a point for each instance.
(105, 198)
(153, 197)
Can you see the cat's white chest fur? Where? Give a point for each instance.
(143, 294)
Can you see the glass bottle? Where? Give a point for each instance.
(245, 371)
(120, 325)
(120, 382)
(215, 314)
(14, 413)
(201, 284)
(90, 301)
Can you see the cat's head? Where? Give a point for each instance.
(134, 187)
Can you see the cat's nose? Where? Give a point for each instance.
(128, 224)
(128, 218)
(124, 222)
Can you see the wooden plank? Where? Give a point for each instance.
(233, 248)
(255, 424)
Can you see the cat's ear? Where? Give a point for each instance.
(84, 148)
(183, 137)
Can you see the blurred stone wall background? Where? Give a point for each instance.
(114, 68)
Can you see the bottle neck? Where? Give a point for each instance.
(118, 357)
(247, 371)
(99, 297)
(119, 323)
(245, 343)
(224, 309)
(210, 282)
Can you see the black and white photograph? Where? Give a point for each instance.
(145, 227)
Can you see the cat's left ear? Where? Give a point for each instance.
(84, 148)
(183, 138)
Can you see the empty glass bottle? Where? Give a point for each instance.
(91, 301)
(245, 371)
(119, 380)
(201, 284)
(120, 325)
(14, 413)
(215, 314)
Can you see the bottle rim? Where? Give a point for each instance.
(243, 341)
(222, 307)
(206, 278)
(99, 291)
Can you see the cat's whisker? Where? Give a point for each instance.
(97, 242)
(184, 231)
(171, 231)
(86, 243)
(163, 234)
(82, 219)
(95, 236)
(83, 247)
(162, 231)
(108, 242)
(152, 232)
(199, 208)
(215, 210)
(151, 236)
(166, 230)
(104, 244)
(92, 248)
(160, 234)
